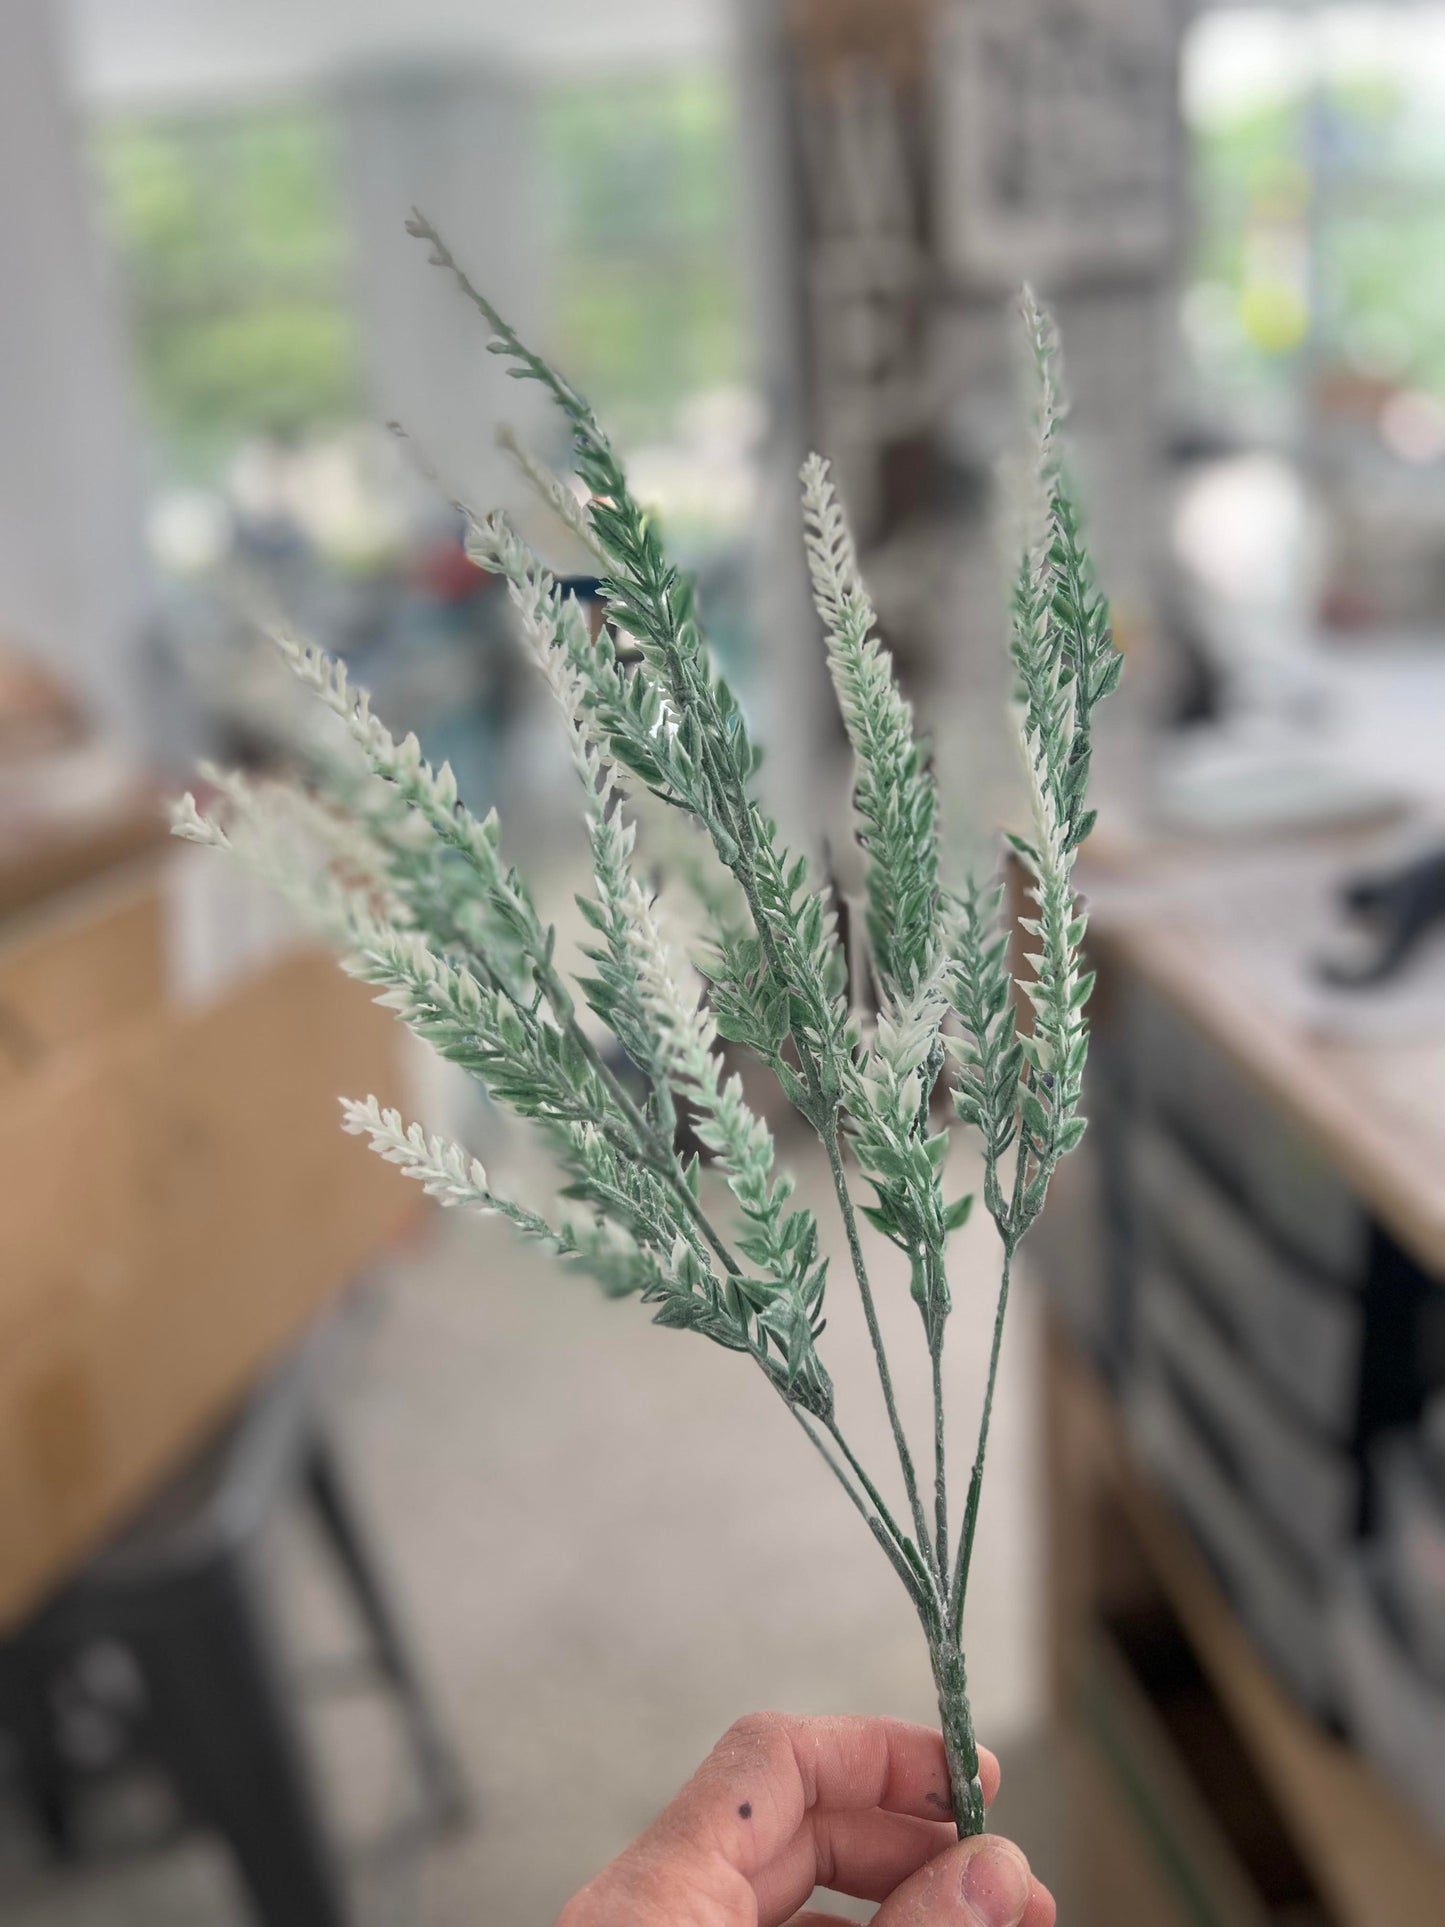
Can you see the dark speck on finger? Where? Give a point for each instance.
(745, 1811)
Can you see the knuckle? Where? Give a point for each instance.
(758, 1730)
(593, 1907)
(825, 1852)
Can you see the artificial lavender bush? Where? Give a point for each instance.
(415, 890)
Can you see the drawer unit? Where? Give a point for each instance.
(1255, 1151)
(1306, 1487)
(1394, 1713)
(1410, 1518)
(1304, 1334)
(1273, 1593)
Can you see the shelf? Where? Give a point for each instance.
(1373, 1863)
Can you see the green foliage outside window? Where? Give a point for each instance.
(232, 244)
(1320, 226)
(232, 238)
(646, 302)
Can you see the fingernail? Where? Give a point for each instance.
(996, 1885)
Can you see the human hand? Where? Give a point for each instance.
(783, 1805)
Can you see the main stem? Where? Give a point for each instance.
(959, 1745)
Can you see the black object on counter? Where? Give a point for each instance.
(1392, 910)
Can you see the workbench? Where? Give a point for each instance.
(177, 1199)
(1204, 1792)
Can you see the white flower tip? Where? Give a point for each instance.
(486, 541)
(187, 821)
(359, 1115)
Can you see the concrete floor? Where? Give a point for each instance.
(609, 1542)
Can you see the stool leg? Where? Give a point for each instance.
(342, 1529)
(25, 1705)
(224, 1720)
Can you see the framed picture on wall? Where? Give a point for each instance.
(1056, 138)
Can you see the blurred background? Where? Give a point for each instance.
(354, 1568)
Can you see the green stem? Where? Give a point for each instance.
(826, 1124)
(823, 1106)
(917, 1584)
(736, 810)
(660, 1156)
(937, 1328)
(870, 1313)
(940, 1466)
(975, 1484)
(905, 1545)
(657, 1151)
(951, 1681)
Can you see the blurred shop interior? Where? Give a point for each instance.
(354, 1569)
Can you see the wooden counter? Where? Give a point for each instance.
(1375, 1110)
(42, 855)
(1202, 1787)
(177, 1203)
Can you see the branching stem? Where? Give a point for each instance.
(940, 1461)
(660, 1155)
(917, 1582)
(875, 1334)
(826, 1124)
(922, 1568)
(975, 1484)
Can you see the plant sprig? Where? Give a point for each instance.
(390, 865)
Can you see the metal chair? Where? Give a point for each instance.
(182, 1591)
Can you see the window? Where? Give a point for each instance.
(232, 241)
(645, 300)
(1319, 264)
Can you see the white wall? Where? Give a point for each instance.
(71, 571)
(459, 143)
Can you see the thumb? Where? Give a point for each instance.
(979, 1883)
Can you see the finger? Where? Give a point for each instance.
(748, 1799)
(863, 1854)
(1041, 1913)
(990, 1778)
(1043, 1910)
(867, 1855)
(983, 1882)
(812, 1918)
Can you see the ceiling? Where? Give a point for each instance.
(173, 50)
